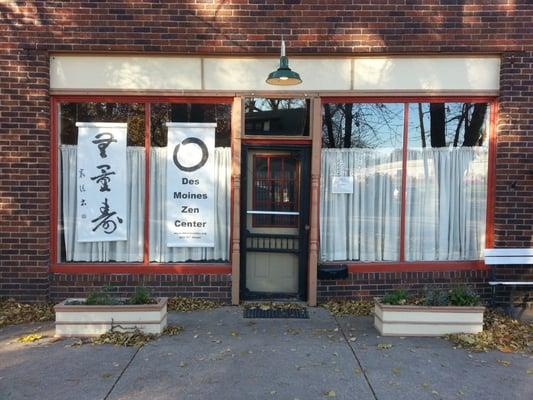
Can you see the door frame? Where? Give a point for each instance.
(304, 154)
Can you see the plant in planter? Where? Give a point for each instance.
(437, 313)
(101, 311)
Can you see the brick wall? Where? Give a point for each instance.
(31, 30)
(367, 285)
(213, 287)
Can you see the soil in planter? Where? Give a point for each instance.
(500, 332)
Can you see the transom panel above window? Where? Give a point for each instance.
(276, 116)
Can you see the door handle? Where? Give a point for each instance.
(307, 227)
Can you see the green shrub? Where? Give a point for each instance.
(395, 298)
(101, 297)
(463, 296)
(436, 298)
(141, 296)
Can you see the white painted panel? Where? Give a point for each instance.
(242, 74)
(125, 73)
(426, 74)
(508, 252)
(508, 260)
(379, 74)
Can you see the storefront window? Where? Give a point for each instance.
(276, 117)
(115, 194)
(220, 114)
(102, 183)
(361, 180)
(444, 203)
(447, 161)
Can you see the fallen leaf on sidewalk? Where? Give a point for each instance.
(29, 338)
(500, 332)
(384, 346)
(12, 313)
(187, 304)
(504, 363)
(349, 307)
(172, 330)
(330, 393)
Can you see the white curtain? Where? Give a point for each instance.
(159, 252)
(131, 250)
(365, 225)
(446, 203)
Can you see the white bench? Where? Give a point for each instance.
(495, 257)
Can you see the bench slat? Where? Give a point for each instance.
(508, 252)
(508, 260)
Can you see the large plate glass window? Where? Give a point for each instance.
(360, 191)
(443, 203)
(447, 162)
(162, 113)
(90, 170)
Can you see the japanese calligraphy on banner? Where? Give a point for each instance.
(190, 194)
(101, 182)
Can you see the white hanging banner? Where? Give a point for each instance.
(101, 182)
(190, 195)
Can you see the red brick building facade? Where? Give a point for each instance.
(33, 31)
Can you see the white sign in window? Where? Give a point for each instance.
(190, 195)
(342, 184)
(101, 182)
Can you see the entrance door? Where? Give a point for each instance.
(274, 221)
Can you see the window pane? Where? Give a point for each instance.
(275, 188)
(101, 181)
(269, 116)
(446, 181)
(362, 149)
(189, 112)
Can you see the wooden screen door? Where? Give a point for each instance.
(274, 221)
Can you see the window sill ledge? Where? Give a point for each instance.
(222, 268)
(415, 266)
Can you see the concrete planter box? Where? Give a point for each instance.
(83, 320)
(407, 320)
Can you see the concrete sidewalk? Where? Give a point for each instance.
(221, 356)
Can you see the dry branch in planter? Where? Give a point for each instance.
(186, 304)
(349, 307)
(12, 313)
(134, 337)
(500, 332)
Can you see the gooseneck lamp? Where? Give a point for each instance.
(283, 75)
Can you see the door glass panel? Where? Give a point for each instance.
(275, 189)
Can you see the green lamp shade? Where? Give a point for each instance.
(283, 75)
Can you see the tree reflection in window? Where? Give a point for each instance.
(362, 125)
(447, 124)
(131, 113)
